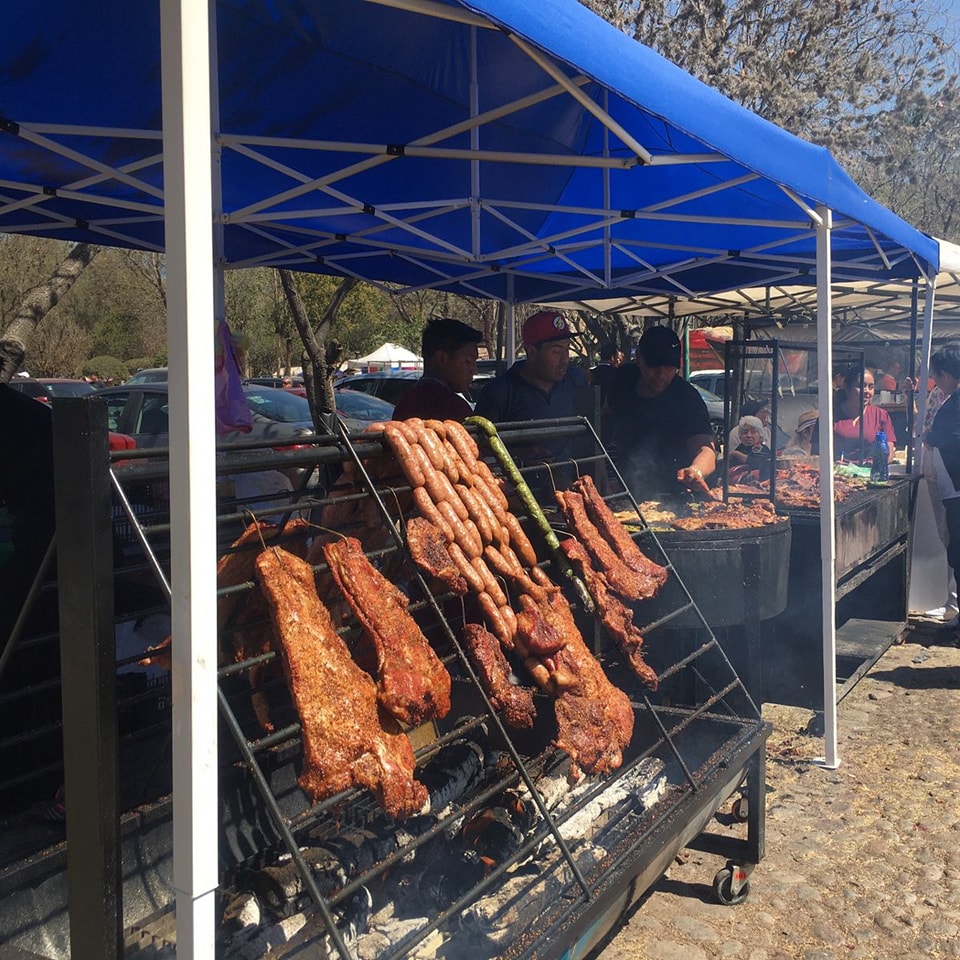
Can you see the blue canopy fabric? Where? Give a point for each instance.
(497, 148)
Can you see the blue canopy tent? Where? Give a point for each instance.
(498, 148)
(518, 151)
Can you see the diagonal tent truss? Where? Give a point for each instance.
(483, 148)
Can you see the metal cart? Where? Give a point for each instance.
(509, 861)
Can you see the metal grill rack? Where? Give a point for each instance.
(509, 861)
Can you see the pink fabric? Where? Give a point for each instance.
(846, 433)
(232, 412)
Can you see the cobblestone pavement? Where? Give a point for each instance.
(862, 861)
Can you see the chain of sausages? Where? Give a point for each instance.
(457, 492)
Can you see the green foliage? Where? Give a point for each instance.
(141, 363)
(118, 333)
(106, 367)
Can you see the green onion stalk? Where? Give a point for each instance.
(532, 505)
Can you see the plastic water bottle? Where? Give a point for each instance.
(879, 468)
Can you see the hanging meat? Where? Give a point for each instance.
(594, 718)
(628, 583)
(612, 530)
(428, 548)
(616, 617)
(348, 740)
(494, 674)
(412, 683)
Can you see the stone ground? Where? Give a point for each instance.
(862, 862)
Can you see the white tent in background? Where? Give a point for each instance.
(388, 356)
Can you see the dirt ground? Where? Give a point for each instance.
(862, 861)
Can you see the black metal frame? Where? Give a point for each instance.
(721, 715)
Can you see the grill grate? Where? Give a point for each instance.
(510, 859)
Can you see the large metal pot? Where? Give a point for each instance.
(733, 576)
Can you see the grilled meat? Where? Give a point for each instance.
(493, 671)
(347, 740)
(413, 684)
(613, 531)
(625, 581)
(428, 548)
(594, 718)
(616, 618)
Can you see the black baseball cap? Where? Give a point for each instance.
(660, 347)
(446, 333)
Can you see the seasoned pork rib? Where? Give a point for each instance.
(612, 530)
(413, 684)
(347, 740)
(493, 671)
(616, 618)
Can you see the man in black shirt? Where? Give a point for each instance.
(661, 428)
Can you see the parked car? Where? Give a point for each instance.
(141, 411)
(149, 375)
(712, 380)
(389, 385)
(276, 382)
(45, 389)
(715, 409)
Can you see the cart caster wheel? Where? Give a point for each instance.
(723, 887)
(741, 809)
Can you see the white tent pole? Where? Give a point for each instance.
(828, 550)
(186, 66)
(928, 303)
(509, 326)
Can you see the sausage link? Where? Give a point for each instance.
(489, 497)
(520, 541)
(490, 584)
(396, 437)
(428, 510)
(476, 513)
(464, 475)
(464, 444)
(431, 444)
(486, 474)
(461, 534)
(495, 620)
(439, 427)
(443, 482)
(473, 578)
(474, 534)
(510, 619)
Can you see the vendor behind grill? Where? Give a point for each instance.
(661, 427)
(543, 387)
(449, 351)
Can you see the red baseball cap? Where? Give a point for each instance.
(544, 326)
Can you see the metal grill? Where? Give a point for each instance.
(510, 859)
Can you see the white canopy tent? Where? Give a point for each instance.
(388, 356)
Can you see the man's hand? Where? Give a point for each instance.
(692, 479)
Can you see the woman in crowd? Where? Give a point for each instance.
(854, 411)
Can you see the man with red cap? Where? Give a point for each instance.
(542, 387)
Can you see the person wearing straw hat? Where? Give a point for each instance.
(805, 439)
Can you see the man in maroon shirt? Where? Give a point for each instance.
(449, 351)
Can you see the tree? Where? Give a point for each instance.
(324, 354)
(36, 304)
(874, 82)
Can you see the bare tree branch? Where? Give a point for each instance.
(322, 353)
(36, 304)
